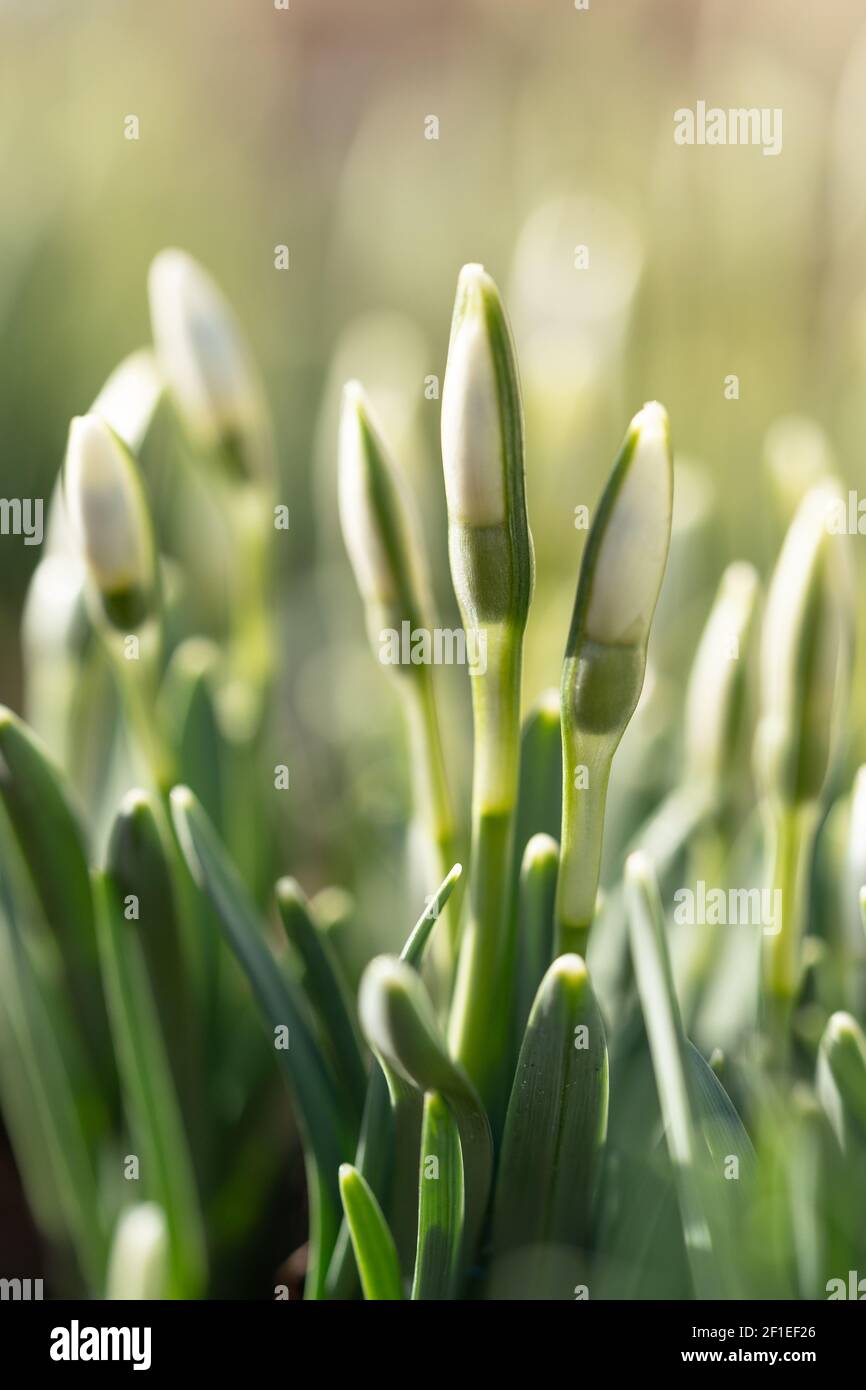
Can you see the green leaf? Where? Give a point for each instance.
(325, 993)
(668, 1048)
(715, 1113)
(149, 1093)
(399, 1023)
(390, 1121)
(539, 799)
(310, 1082)
(373, 1243)
(31, 1019)
(554, 1137)
(52, 842)
(441, 1203)
(536, 900)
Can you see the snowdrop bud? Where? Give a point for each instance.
(716, 695)
(138, 1263)
(605, 657)
(620, 577)
(109, 515)
(805, 657)
(482, 455)
(207, 365)
(378, 522)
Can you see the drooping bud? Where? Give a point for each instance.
(110, 517)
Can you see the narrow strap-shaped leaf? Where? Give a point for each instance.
(374, 1247)
(149, 1093)
(667, 1046)
(52, 842)
(440, 1204)
(716, 1114)
(399, 1023)
(390, 1112)
(310, 1082)
(72, 1164)
(554, 1136)
(138, 857)
(325, 992)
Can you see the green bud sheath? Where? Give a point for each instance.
(398, 1021)
(605, 658)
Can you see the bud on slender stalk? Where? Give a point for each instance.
(379, 526)
(605, 658)
(490, 548)
(805, 664)
(383, 540)
(109, 514)
(208, 366)
(482, 455)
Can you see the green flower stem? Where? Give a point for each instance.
(431, 794)
(582, 834)
(251, 654)
(479, 1024)
(138, 683)
(793, 832)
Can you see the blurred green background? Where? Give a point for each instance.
(307, 127)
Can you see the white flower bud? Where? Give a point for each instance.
(378, 523)
(628, 563)
(804, 653)
(138, 1264)
(109, 515)
(472, 442)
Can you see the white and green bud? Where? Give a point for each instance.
(110, 517)
(482, 454)
(380, 530)
(208, 367)
(620, 578)
(716, 697)
(805, 657)
(605, 657)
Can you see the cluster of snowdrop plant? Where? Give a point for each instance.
(559, 1088)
